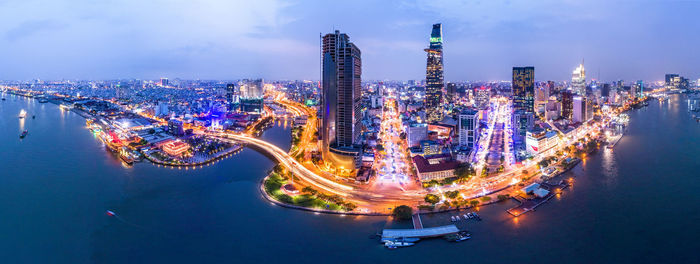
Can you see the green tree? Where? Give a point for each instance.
(485, 199)
(285, 199)
(432, 198)
(452, 194)
(474, 202)
(403, 212)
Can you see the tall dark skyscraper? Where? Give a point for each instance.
(524, 89)
(340, 99)
(567, 104)
(434, 80)
(230, 91)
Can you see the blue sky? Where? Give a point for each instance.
(278, 39)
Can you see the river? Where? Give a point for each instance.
(638, 203)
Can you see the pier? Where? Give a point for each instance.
(389, 234)
(417, 222)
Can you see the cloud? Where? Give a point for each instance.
(32, 27)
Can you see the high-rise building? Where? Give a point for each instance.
(482, 95)
(434, 80)
(451, 91)
(578, 80)
(340, 99)
(164, 82)
(416, 132)
(605, 90)
(567, 104)
(580, 109)
(524, 89)
(639, 89)
(230, 93)
(252, 89)
(468, 128)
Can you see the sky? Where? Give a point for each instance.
(279, 39)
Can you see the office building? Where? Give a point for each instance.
(340, 100)
(578, 80)
(164, 82)
(434, 80)
(482, 95)
(567, 104)
(468, 128)
(524, 89)
(580, 113)
(415, 133)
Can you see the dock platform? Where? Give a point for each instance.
(388, 234)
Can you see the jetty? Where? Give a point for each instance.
(417, 222)
(392, 234)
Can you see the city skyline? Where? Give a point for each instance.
(74, 40)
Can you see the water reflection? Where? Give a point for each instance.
(609, 167)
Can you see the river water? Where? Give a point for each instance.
(638, 203)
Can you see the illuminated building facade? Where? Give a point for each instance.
(251, 99)
(524, 89)
(340, 100)
(434, 79)
(578, 80)
(175, 148)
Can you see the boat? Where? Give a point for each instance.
(396, 244)
(24, 134)
(22, 114)
(466, 216)
(126, 158)
(478, 218)
(453, 218)
(457, 217)
(33, 116)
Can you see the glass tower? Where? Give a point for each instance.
(434, 81)
(524, 89)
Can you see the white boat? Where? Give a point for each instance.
(395, 244)
(453, 218)
(22, 114)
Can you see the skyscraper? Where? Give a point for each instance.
(340, 99)
(230, 91)
(639, 89)
(434, 80)
(524, 89)
(468, 128)
(567, 104)
(578, 80)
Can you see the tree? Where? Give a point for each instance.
(485, 199)
(309, 190)
(432, 198)
(474, 202)
(403, 212)
(503, 197)
(452, 194)
(286, 199)
(464, 170)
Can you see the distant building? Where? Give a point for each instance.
(639, 89)
(468, 128)
(580, 110)
(164, 82)
(524, 89)
(451, 91)
(230, 96)
(416, 132)
(578, 80)
(567, 104)
(252, 89)
(482, 95)
(162, 109)
(673, 81)
(175, 127)
(434, 79)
